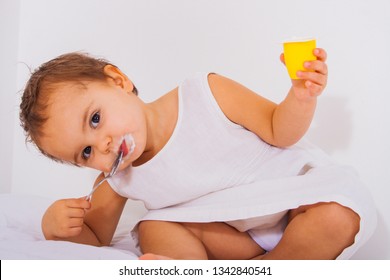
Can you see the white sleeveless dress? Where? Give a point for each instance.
(212, 169)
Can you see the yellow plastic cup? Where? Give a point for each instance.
(296, 52)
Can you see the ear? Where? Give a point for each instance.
(118, 77)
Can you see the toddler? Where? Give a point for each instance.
(220, 168)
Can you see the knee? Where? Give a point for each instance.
(342, 223)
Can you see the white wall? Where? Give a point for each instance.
(158, 43)
(9, 24)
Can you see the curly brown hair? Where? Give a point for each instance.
(72, 67)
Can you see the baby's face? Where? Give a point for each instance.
(88, 125)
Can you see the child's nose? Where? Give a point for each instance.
(104, 145)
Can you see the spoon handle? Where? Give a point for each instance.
(89, 196)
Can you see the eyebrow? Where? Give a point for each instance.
(86, 116)
(84, 123)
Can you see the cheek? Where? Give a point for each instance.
(55, 147)
(132, 121)
(100, 164)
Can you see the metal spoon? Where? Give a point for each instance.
(112, 173)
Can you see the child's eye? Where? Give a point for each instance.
(95, 120)
(87, 152)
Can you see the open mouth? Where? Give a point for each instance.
(127, 145)
(123, 148)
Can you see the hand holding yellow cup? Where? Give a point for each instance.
(296, 52)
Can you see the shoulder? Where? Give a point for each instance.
(225, 89)
(235, 98)
(217, 81)
(243, 106)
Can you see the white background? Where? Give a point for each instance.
(158, 43)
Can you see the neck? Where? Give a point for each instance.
(161, 119)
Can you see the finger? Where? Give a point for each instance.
(317, 66)
(73, 231)
(313, 88)
(71, 227)
(78, 203)
(313, 77)
(75, 222)
(75, 213)
(320, 54)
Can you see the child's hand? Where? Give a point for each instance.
(64, 218)
(311, 84)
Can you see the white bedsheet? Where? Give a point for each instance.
(21, 236)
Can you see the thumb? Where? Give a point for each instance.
(282, 58)
(84, 203)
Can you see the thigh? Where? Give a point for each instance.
(318, 231)
(328, 206)
(222, 241)
(170, 239)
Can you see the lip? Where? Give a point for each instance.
(127, 145)
(123, 148)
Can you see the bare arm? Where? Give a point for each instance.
(81, 221)
(281, 124)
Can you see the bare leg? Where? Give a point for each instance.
(223, 242)
(169, 239)
(319, 231)
(159, 239)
